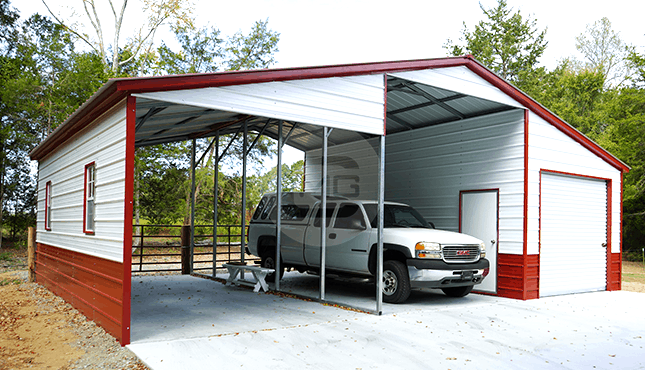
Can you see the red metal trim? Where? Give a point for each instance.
(107, 277)
(131, 116)
(202, 80)
(48, 194)
(525, 223)
(117, 89)
(620, 276)
(545, 114)
(575, 174)
(85, 230)
(115, 320)
(90, 284)
(93, 289)
(608, 248)
(609, 216)
(496, 190)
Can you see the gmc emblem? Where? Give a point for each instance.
(463, 253)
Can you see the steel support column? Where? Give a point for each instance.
(278, 191)
(243, 233)
(192, 204)
(323, 221)
(215, 200)
(381, 208)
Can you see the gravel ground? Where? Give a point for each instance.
(40, 330)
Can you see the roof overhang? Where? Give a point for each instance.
(407, 100)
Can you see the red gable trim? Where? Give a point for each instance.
(545, 114)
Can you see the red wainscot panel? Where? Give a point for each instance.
(92, 285)
(516, 277)
(614, 276)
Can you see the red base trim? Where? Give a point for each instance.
(614, 271)
(511, 269)
(92, 285)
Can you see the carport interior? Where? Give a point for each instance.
(409, 105)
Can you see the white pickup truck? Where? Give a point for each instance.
(415, 254)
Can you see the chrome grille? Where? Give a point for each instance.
(460, 253)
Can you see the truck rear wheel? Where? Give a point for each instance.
(396, 282)
(268, 261)
(458, 292)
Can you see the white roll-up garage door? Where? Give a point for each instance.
(573, 234)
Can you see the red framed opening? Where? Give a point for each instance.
(48, 206)
(89, 198)
(608, 255)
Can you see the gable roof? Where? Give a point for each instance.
(116, 90)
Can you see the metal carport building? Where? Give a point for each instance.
(479, 135)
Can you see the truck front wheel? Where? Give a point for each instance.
(396, 282)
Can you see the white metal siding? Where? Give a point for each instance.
(459, 79)
(354, 103)
(103, 143)
(352, 170)
(427, 168)
(550, 149)
(573, 231)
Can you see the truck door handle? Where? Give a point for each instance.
(332, 236)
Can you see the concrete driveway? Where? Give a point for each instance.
(183, 322)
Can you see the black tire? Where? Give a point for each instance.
(268, 261)
(396, 282)
(458, 292)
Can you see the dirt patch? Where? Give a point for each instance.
(40, 330)
(634, 276)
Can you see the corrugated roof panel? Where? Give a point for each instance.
(354, 103)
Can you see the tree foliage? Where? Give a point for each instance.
(506, 42)
(604, 51)
(157, 13)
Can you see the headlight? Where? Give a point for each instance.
(482, 250)
(428, 250)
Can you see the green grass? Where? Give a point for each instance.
(4, 282)
(5, 256)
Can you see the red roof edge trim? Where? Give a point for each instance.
(98, 104)
(545, 114)
(196, 81)
(117, 89)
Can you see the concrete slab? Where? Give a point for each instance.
(227, 327)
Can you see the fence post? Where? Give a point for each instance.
(185, 249)
(31, 253)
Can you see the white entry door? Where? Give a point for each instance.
(479, 219)
(573, 234)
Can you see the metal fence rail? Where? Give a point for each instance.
(157, 248)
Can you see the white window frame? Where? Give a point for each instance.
(89, 199)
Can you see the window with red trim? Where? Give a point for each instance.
(89, 202)
(48, 205)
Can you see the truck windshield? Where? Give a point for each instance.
(396, 216)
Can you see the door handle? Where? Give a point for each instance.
(492, 242)
(332, 236)
(604, 245)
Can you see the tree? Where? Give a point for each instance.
(43, 80)
(625, 137)
(506, 42)
(255, 50)
(604, 51)
(157, 13)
